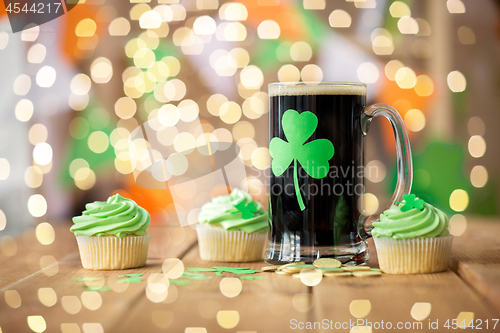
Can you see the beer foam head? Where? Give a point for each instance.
(333, 88)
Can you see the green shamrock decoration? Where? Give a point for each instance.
(246, 210)
(312, 156)
(410, 202)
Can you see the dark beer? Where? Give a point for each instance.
(327, 226)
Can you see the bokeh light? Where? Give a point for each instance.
(4, 40)
(289, 73)
(12, 298)
(408, 25)
(233, 11)
(120, 26)
(3, 220)
(172, 268)
(476, 126)
(37, 323)
(406, 78)
(36, 53)
(375, 171)
(340, 19)
(424, 86)
(230, 287)
(455, 6)
(24, 110)
(269, 29)
(230, 112)
(92, 300)
(22, 85)
(458, 225)
(464, 319)
(71, 304)
(38, 133)
(4, 169)
(101, 70)
(204, 25)
(368, 72)
(466, 35)
(421, 310)
(125, 107)
(47, 296)
(414, 120)
(311, 74)
(303, 302)
(382, 42)
(478, 176)
(368, 204)
(399, 9)
(45, 233)
(456, 81)
(391, 68)
(86, 28)
(228, 318)
(360, 308)
(311, 277)
(314, 4)
(33, 177)
(477, 146)
(37, 205)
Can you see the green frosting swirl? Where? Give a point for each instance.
(414, 223)
(236, 211)
(117, 216)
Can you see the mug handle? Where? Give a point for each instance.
(403, 155)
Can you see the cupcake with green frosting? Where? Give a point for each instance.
(412, 237)
(112, 234)
(232, 228)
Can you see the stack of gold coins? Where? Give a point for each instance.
(328, 266)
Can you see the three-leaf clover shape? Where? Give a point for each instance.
(410, 202)
(246, 210)
(312, 156)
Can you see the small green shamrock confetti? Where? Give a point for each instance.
(201, 269)
(312, 156)
(130, 275)
(180, 282)
(246, 210)
(411, 202)
(252, 277)
(87, 279)
(104, 288)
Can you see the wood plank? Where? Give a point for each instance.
(166, 242)
(29, 251)
(484, 278)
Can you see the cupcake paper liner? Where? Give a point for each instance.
(413, 256)
(230, 246)
(111, 252)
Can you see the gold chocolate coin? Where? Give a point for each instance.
(291, 269)
(269, 268)
(282, 273)
(337, 274)
(327, 263)
(290, 264)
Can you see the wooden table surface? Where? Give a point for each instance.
(45, 288)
